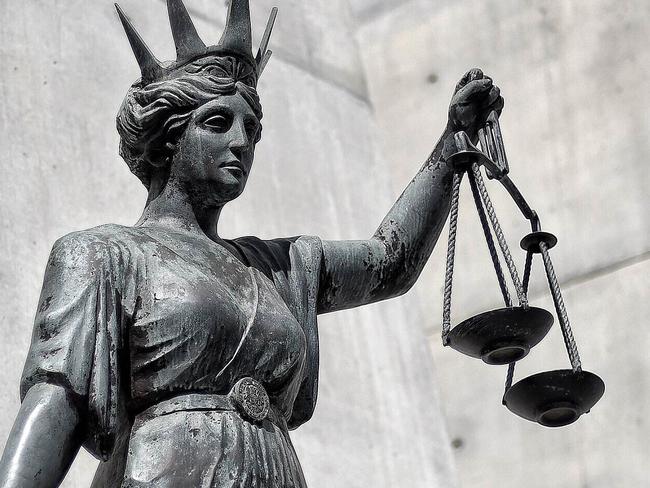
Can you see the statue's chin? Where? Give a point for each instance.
(219, 192)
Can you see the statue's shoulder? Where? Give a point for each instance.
(97, 240)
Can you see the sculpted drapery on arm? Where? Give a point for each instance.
(356, 273)
(70, 374)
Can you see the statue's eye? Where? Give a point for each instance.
(218, 123)
(252, 129)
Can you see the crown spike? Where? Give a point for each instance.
(237, 34)
(262, 64)
(149, 66)
(262, 51)
(187, 41)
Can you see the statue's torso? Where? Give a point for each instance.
(201, 320)
(133, 320)
(197, 320)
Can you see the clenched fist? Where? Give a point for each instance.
(474, 98)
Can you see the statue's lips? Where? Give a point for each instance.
(233, 166)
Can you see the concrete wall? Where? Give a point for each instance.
(574, 76)
(66, 66)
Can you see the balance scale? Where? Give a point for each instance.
(506, 335)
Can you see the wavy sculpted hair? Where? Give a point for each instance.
(152, 118)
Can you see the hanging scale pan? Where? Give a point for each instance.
(555, 398)
(501, 336)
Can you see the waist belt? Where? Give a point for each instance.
(248, 398)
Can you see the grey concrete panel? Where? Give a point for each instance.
(368, 10)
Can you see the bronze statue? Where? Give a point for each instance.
(176, 357)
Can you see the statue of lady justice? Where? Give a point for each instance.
(177, 357)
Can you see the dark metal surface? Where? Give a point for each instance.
(531, 241)
(467, 154)
(501, 336)
(555, 398)
(251, 399)
(235, 41)
(492, 145)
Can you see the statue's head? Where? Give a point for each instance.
(197, 120)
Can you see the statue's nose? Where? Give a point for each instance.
(238, 138)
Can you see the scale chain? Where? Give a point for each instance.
(528, 266)
(527, 269)
(451, 253)
(490, 242)
(495, 260)
(510, 376)
(521, 289)
(554, 285)
(523, 300)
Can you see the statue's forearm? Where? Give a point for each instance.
(412, 226)
(356, 273)
(43, 442)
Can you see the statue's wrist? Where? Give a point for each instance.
(448, 146)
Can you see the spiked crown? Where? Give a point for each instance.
(236, 41)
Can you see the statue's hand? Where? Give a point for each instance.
(474, 98)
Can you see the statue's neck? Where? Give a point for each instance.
(174, 208)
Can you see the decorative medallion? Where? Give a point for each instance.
(250, 399)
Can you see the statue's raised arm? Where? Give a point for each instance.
(356, 273)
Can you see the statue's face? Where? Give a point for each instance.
(215, 155)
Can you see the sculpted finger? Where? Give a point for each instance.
(463, 81)
(471, 75)
(474, 90)
(493, 96)
(498, 105)
(475, 74)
